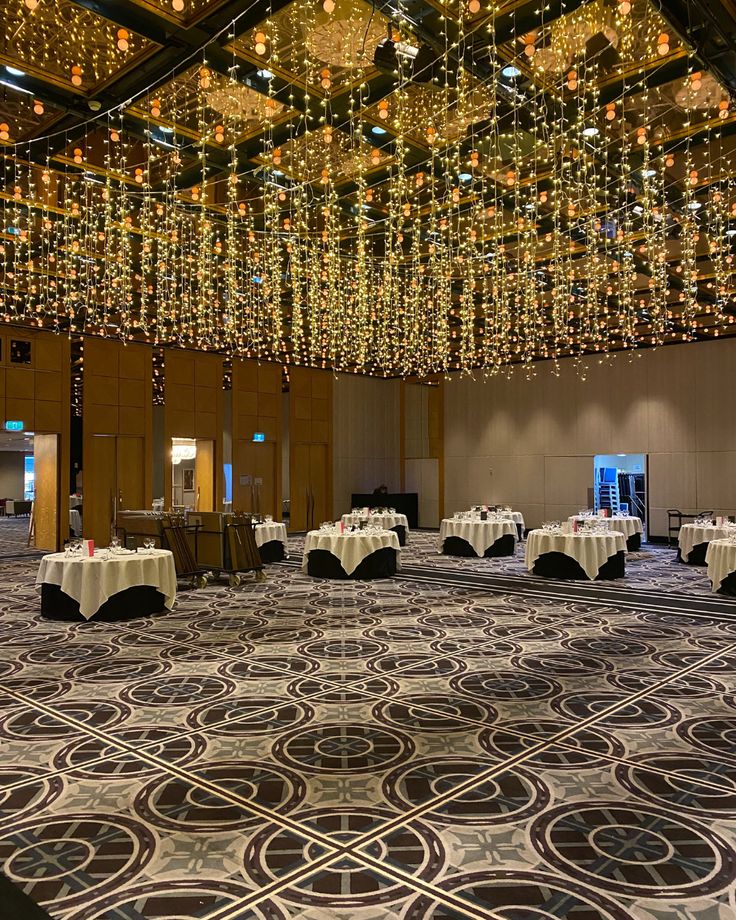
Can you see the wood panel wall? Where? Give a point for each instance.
(310, 423)
(256, 406)
(38, 394)
(193, 408)
(118, 404)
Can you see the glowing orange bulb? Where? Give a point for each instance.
(572, 79)
(76, 73)
(277, 156)
(31, 4)
(38, 107)
(123, 36)
(156, 108)
(4, 131)
(178, 5)
(329, 6)
(375, 156)
(260, 43)
(474, 7)
(624, 7)
(219, 133)
(77, 154)
(663, 44)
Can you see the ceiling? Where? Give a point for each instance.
(75, 70)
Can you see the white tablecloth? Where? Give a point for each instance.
(351, 548)
(479, 534)
(721, 560)
(75, 522)
(591, 551)
(693, 534)
(516, 516)
(628, 525)
(387, 521)
(267, 533)
(92, 581)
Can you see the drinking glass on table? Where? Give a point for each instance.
(148, 544)
(114, 545)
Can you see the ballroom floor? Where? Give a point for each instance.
(420, 748)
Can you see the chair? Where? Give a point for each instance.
(175, 533)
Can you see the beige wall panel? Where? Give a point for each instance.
(716, 481)
(19, 382)
(247, 402)
(672, 481)
(269, 378)
(244, 426)
(629, 402)
(566, 480)
(132, 393)
(49, 353)
(132, 421)
(208, 372)
(715, 388)
(321, 384)
(49, 416)
(48, 386)
(180, 399)
(2, 381)
(180, 423)
(269, 404)
(103, 390)
(48, 478)
(245, 375)
(101, 358)
(22, 410)
(321, 431)
(300, 431)
(132, 363)
(300, 383)
(271, 427)
(205, 399)
(206, 426)
(179, 369)
(320, 410)
(302, 408)
(671, 402)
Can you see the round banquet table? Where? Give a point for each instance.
(473, 537)
(693, 541)
(720, 558)
(106, 586)
(596, 556)
(271, 541)
(75, 522)
(362, 555)
(627, 524)
(399, 523)
(516, 516)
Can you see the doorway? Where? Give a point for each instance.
(192, 474)
(29, 492)
(114, 480)
(255, 490)
(620, 484)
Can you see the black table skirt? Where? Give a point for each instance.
(381, 564)
(558, 565)
(400, 532)
(633, 543)
(456, 546)
(273, 551)
(728, 585)
(696, 556)
(139, 601)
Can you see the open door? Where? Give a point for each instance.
(47, 484)
(204, 476)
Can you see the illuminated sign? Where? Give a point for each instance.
(14, 426)
(259, 436)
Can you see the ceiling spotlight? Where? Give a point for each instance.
(264, 74)
(695, 205)
(590, 132)
(465, 177)
(648, 173)
(511, 71)
(15, 72)
(377, 130)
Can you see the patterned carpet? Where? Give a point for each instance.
(415, 748)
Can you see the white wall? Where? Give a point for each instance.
(366, 419)
(12, 466)
(539, 436)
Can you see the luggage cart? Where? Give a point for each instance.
(226, 545)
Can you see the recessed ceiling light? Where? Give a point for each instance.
(731, 232)
(465, 177)
(167, 130)
(511, 71)
(647, 173)
(694, 205)
(590, 132)
(265, 74)
(376, 130)
(15, 72)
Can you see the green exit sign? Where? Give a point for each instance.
(14, 426)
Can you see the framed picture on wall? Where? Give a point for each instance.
(188, 480)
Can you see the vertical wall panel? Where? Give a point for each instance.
(37, 393)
